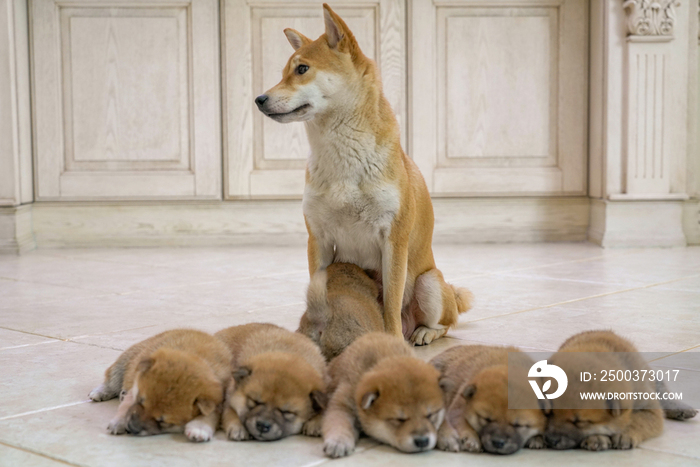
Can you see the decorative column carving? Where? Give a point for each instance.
(651, 18)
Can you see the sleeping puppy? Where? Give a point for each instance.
(169, 383)
(279, 383)
(475, 381)
(341, 305)
(614, 423)
(381, 388)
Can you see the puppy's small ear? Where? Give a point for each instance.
(447, 385)
(205, 405)
(334, 32)
(239, 374)
(614, 407)
(296, 39)
(319, 400)
(368, 399)
(545, 405)
(468, 391)
(144, 365)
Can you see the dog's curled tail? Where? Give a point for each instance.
(316, 297)
(464, 299)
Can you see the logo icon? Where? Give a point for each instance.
(542, 370)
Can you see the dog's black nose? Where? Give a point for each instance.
(498, 443)
(421, 441)
(263, 427)
(260, 100)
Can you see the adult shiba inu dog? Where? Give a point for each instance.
(279, 383)
(365, 201)
(475, 380)
(169, 383)
(614, 423)
(380, 387)
(341, 305)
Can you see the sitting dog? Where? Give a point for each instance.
(475, 381)
(279, 383)
(379, 386)
(612, 423)
(341, 305)
(365, 201)
(168, 383)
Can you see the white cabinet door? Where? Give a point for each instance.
(127, 100)
(265, 158)
(499, 96)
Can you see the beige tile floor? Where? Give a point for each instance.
(65, 315)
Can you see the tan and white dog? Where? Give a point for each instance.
(365, 201)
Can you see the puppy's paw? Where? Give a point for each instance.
(470, 444)
(237, 432)
(680, 413)
(448, 443)
(101, 393)
(117, 426)
(198, 431)
(624, 441)
(536, 442)
(597, 443)
(424, 335)
(313, 427)
(338, 445)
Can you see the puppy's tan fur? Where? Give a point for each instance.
(341, 305)
(365, 201)
(475, 381)
(617, 424)
(381, 388)
(279, 383)
(169, 383)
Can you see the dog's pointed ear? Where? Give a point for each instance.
(446, 384)
(241, 373)
(296, 38)
(614, 407)
(205, 405)
(468, 391)
(144, 365)
(319, 400)
(368, 399)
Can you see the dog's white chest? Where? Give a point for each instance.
(356, 220)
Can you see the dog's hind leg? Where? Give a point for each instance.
(436, 306)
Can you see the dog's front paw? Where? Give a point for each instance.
(100, 393)
(536, 442)
(424, 335)
(623, 441)
(470, 444)
(117, 426)
(339, 445)
(198, 431)
(313, 427)
(448, 443)
(597, 443)
(237, 432)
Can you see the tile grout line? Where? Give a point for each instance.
(584, 298)
(671, 453)
(675, 353)
(47, 409)
(528, 268)
(33, 334)
(37, 453)
(31, 345)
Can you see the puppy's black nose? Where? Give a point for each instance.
(263, 427)
(260, 100)
(421, 441)
(498, 443)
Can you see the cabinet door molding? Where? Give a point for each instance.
(498, 95)
(127, 100)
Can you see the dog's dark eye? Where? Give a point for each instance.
(301, 69)
(520, 425)
(397, 421)
(253, 403)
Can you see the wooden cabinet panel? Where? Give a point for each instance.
(499, 96)
(127, 101)
(265, 158)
